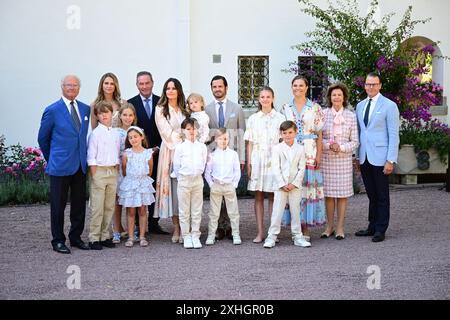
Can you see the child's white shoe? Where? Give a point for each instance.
(196, 243)
(210, 240)
(187, 242)
(237, 240)
(301, 242)
(269, 243)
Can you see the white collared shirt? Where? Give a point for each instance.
(189, 158)
(103, 147)
(69, 107)
(224, 104)
(223, 166)
(372, 105)
(290, 150)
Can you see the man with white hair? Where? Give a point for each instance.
(62, 139)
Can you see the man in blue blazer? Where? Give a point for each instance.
(378, 123)
(146, 120)
(62, 139)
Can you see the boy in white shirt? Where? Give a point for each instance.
(222, 174)
(188, 166)
(288, 167)
(103, 161)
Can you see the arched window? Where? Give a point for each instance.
(432, 62)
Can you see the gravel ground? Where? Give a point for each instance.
(413, 261)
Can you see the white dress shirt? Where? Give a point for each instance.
(372, 105)
(290, 150)
(223, 167)
(189, 158)
(69, 107)
(103, 147)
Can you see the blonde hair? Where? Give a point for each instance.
(124, 106)
(220, 132)
(101, 94)
(196, 96)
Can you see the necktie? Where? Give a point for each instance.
(221, 116)
(74, 113)
(366, 114)
(147, 107)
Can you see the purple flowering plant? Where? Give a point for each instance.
(357, 44)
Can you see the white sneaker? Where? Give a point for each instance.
(237, 240)
(269, 243)
(187, 243)
(210, 240)
(196, 242)
(301, 242)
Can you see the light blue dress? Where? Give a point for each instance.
(136, 188)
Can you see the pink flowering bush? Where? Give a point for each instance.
(356, 44)
(22, 178)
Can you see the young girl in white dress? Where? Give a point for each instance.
(136, 190)
(262, 134)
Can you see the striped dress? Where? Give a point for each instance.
(337, 168)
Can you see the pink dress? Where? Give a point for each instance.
(166, 204)
(336, 168)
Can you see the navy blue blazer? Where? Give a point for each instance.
(149, 125)
(62, 144)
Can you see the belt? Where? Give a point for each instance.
(220, 182)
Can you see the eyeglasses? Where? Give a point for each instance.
(71, 85)
(371, 85)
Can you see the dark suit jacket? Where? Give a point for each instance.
(149, 125)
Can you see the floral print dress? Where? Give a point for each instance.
(310, 122)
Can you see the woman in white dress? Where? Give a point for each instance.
(262, 133)
(169, 114)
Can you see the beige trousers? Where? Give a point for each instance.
(190, 204)
(227, 191)
(279, 203)
(103, 185)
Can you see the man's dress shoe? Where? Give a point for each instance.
(364, 233)
(157, 230)
(378, 237)
(80, 245)
(61, 248)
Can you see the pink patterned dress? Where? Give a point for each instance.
(337, 168)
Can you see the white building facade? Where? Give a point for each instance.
(192, 40)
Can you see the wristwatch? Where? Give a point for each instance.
(391, 162)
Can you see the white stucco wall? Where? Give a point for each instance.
(167, 37)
